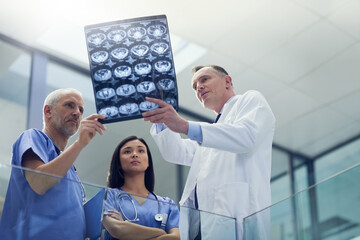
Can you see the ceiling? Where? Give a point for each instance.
(303, 55)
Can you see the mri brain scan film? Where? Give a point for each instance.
(129, 60)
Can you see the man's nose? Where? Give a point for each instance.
(77, 112)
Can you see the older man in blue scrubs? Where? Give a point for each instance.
(42, 206)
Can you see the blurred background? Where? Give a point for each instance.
(303, 55)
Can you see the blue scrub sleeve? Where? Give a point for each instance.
(173, 216)
(110, 202)
(36, 141)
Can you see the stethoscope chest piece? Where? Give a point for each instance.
(159, 217)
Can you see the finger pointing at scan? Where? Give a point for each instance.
(89, 126)
(157, 114)
(166, 114)
(159, 102)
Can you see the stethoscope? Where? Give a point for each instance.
(58, 151)
(159, 217)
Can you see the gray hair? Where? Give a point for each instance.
(56, 95)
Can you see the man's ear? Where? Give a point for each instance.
(228, 81)
(47, 111)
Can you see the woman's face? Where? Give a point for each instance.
(134, 157)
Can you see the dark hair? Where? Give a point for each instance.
(217, 68)
(220, 70)
(116, 175)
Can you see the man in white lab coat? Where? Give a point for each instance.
(230, 160)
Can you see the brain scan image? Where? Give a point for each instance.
(116, 35)
(166, 84)
(109, 111)
(157, 30)
(119, 53)
(129, 108)
(97, 38)
(171, 101)
(140, 50)
(102, 75)
(145, 87)
(147, 106)
(105, 93)
(162, 66)
(99, 57)
(142, 68)
(125, 90)
(129, 60)
(159, 48)
(136, 33)
(122, 71)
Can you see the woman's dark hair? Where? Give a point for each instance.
(116, 175)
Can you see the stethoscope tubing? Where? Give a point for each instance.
(158, 217)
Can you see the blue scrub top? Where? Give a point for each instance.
(145, 212)
(58, 214)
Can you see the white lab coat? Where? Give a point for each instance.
(232, 166)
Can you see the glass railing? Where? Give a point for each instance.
(328, 210)
(195, 224)
(70, 208)
(66, 210)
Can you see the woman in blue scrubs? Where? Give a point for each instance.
(132, 210)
